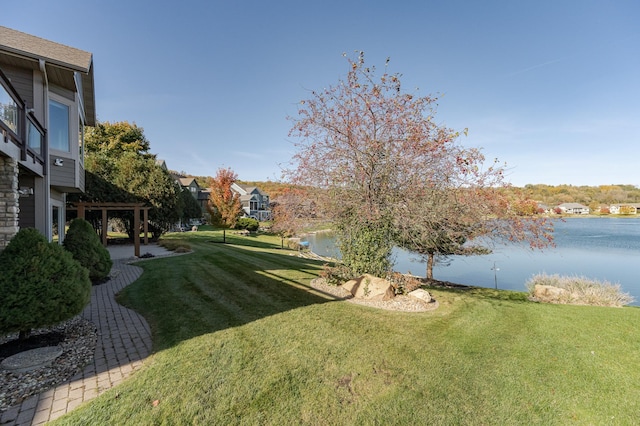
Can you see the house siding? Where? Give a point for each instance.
(22, 81)
(67, 94)
(62, 176)
(27, 203)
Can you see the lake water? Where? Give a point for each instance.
(599, 248)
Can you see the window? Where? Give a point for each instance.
(59, 126)
(34, 138)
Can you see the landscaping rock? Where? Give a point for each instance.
(370, 287)
(421, 294)
(31, 359)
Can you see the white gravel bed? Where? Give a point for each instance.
(401, 303)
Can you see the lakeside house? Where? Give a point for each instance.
(625, 209)
(255, 202)
(47, 96)
(573, 208)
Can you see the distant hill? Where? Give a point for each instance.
(592, 196)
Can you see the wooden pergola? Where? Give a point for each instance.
(83, 207)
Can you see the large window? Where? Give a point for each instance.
(59, 126)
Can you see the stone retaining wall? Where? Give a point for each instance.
(8, 200)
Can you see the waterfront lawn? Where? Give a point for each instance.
(240, 339)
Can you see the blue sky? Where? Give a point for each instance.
(552, 88)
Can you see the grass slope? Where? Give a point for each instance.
(240, 339)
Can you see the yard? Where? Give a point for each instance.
(241, 338)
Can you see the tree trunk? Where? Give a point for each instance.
(430, 259)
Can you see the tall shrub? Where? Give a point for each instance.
(85, 246)
(40, 285)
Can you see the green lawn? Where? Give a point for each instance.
(239, 338)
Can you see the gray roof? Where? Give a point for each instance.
(25, 50)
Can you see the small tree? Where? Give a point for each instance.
(388, 173)
(287, 214)
(85, 246)
(224, 204)
(40, 285)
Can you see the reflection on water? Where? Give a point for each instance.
(600, 248)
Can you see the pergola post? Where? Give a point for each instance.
(104, 208)
(104, 227)
(145, 213)
(136, 231)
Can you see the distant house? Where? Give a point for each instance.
(191, 185)
(255, 203)
(203, 199)
(543, 208)
(627, 208)
(47, 97)
(574, 208)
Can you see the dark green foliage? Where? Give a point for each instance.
(365, 245)
(247, 223)
(190, 207)
(85, 246)
(40, 285)
(120, 168)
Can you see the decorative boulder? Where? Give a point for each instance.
(421, 294)
(370, 287)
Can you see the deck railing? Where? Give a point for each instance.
(20, 126)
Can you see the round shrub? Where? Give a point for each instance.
(247, 223)
(85, 246)
(40, 285)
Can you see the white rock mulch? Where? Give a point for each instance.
(401, 303)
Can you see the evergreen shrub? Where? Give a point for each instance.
(247, 223)
(85, 246)
(41, 284)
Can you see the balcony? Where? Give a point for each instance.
(23, 137)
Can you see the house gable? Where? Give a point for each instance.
(48, 86)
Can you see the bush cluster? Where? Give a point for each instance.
(247, 223)
(404, 284)
(178, 246)
(85, 246)
(577, 290)
(337, 275)
(41, 284)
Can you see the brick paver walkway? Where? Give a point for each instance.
(124, 341)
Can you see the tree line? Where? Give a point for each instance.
(592, 196)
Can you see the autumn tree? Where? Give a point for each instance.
(388, 174)
(224, 204)
(114, 139)
(288, 213)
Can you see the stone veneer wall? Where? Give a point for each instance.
(8, 200)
